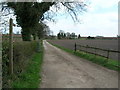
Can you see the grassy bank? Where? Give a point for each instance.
(27, 62)
(30, 78)
(108, 63)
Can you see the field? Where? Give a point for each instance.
(104, 44)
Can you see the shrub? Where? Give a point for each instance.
(22, 52)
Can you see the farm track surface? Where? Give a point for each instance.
(103, 44)
(64, 70)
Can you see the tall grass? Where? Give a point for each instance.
(24, 54)
(30, 78)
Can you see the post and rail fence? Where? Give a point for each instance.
(95, 50)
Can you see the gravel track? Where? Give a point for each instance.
(64, 70)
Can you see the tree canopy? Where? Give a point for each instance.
(30, 14)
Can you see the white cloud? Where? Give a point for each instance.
(94, 22)
(97, 24)
(104, 3)
(100, 24)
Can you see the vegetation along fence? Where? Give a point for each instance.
(96, 51)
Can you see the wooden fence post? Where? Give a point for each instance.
(11, 46)
(75, 47)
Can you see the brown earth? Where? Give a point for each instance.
(103, 44)
(63, 70)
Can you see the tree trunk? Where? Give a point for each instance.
(34, 36)
(26, 35)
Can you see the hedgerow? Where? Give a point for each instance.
(22, 53)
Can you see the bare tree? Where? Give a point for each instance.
(40, 11)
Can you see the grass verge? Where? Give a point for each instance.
(31, 78)
(108, 63)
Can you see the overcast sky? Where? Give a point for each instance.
(100, 19)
